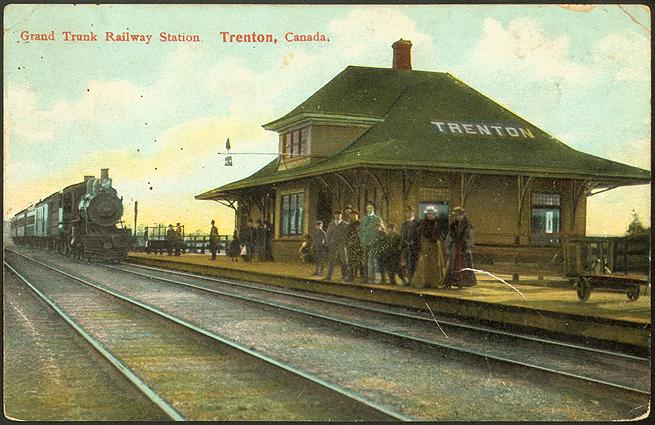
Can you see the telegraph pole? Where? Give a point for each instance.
(136, 212)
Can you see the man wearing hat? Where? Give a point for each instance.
(213, 240)
(411, 243)
(336, 245)
(369, 236)
(354, 250)
(431, 265)
(170, 239)
(347, 210)
(459, 246)
(178, 239)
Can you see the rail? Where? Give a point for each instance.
(158, 400)
(394, 334)
(386, 412)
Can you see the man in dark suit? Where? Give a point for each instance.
(320, 247)
(170, 239)
(336, 244)
(369, 235)
(390, 256)
(411, 243)
(178, 239)
(213, 240)
(354, 249)
(260, 241)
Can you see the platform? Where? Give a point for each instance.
(549, 304)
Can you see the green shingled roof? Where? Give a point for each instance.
(409, 101)
(360, 91)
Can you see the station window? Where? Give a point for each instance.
(296, 142)
(292, 214)
(546, 218)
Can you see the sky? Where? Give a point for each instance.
(158, 114)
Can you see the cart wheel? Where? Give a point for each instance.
(633, 293)
(583, 289)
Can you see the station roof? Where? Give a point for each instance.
(403, 106)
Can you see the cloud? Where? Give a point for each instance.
(216, 84)
(636, 153)
(523, 47)
(624, 57)
(385, 25)
(104, 102)
(250, 92)
(184, 163)
(23, 118)
(197, 98)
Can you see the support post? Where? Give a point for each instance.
(346, 182)
(466, 182)
(379, 183)
(523, 186)
(625, 256)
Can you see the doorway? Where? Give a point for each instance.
(323, 208)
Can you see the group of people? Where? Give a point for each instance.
(426, 253)
(252, 240)
(174, 239)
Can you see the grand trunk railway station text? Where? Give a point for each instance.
(110, 36)
(132, 37)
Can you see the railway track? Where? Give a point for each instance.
(633, 372)
(51, 373)
(152, 335)
(185, 289)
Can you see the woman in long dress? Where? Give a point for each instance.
(431, 264)
(459, 246)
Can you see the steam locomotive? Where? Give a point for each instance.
(82, 220)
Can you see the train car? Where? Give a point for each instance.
(17, 225)
(82, 220)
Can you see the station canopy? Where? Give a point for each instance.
(431, 121)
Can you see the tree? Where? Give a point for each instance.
(635, 228)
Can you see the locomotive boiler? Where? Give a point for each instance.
(82, 220)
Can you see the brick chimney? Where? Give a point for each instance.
(402, 55)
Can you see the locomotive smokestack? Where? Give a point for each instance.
(87, 178)
(104, 173)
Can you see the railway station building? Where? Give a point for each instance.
(400, 137)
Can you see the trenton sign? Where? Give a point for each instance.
(483, 128)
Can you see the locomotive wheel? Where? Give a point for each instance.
(583, 288)
(633, 293)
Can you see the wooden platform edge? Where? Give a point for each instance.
(613, 330)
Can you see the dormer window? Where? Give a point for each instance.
(296, 142)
